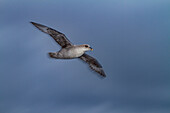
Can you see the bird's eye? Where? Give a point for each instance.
(86, 45)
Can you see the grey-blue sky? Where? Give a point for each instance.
(130, 39)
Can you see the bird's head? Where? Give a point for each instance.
(86, 47)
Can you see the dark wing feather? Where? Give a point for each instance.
(93, 63)
(59, 37)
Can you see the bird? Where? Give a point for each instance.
(69, 50)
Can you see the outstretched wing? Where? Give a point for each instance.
(59, 37)
(93, 63)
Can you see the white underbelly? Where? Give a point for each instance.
(71, 53)
(75, 53)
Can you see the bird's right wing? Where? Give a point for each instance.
(93, 63)
(59, 37)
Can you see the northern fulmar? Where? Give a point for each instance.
(70, 51)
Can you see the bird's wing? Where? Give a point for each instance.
(59, 37)
(93, 63)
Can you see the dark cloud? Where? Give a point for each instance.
(130, 39)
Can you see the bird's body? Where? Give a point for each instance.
(70, 51)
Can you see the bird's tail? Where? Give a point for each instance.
(53, 55)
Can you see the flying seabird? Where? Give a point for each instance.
(70, 51)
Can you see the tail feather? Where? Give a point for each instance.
(53, 55)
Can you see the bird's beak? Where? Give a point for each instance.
(91, 48)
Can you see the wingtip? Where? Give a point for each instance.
(104, 75)
(41, 27)
(32, 22)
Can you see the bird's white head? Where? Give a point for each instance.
(86, 47)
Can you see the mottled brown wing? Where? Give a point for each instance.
(59, 37)
(93, 63)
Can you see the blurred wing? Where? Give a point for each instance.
(93, 63)
(60, 38)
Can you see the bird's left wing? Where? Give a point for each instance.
(59, 37)
(93, 63)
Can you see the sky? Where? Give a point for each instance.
(130, 39)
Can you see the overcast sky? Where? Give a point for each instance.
(130, 38)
